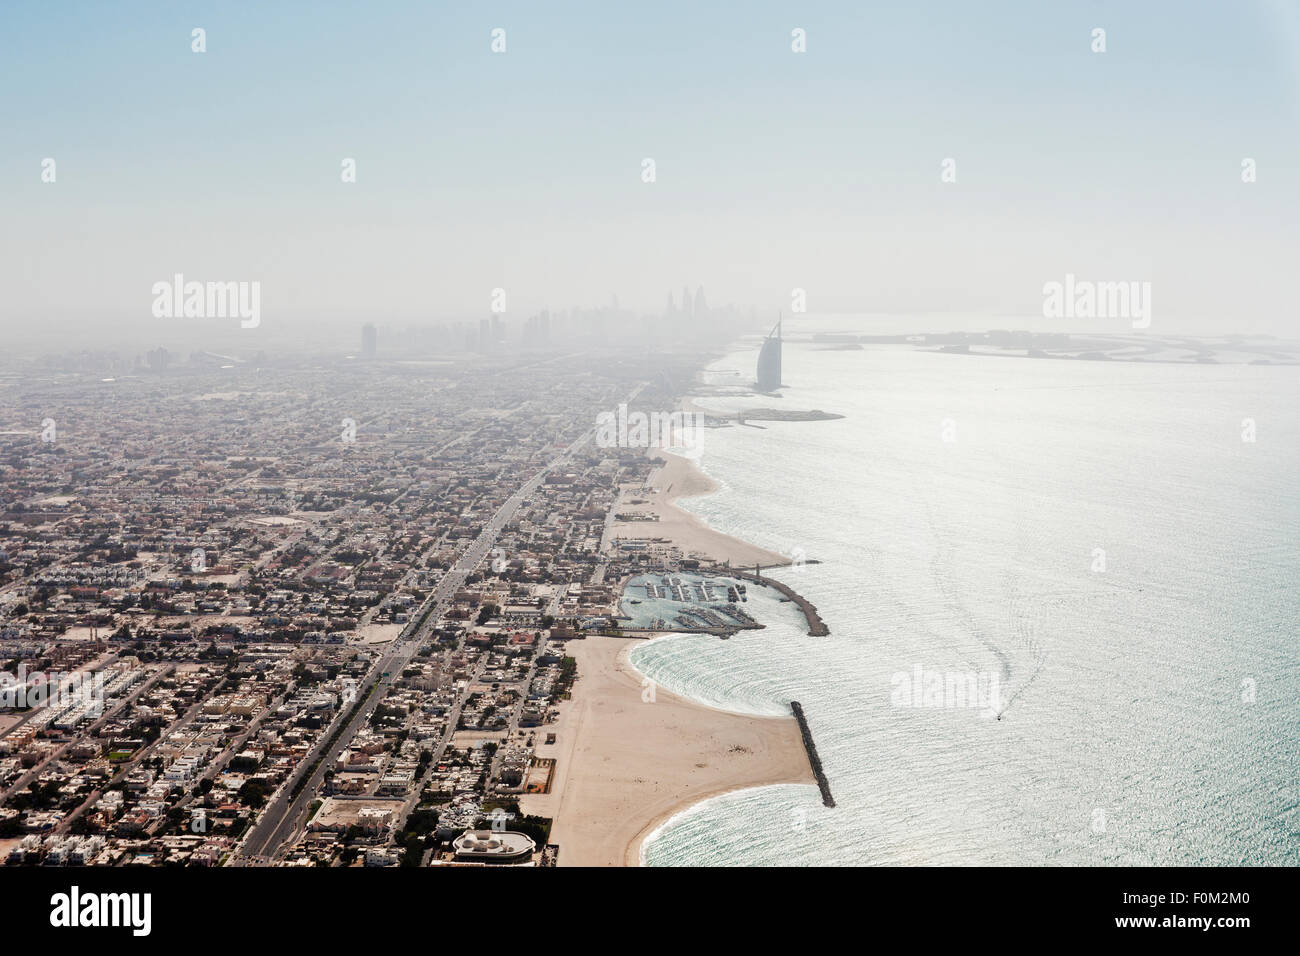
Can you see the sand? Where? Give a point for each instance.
(380, 633)
(676, 478)
(624, 766)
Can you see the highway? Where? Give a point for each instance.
(284, 813)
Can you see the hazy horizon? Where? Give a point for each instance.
(522, 170)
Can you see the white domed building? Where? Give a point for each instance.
(493, 846)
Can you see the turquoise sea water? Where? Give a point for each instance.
(1151, 710)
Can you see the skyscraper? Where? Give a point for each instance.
(701, 308)
(769, 361)
(369, 339)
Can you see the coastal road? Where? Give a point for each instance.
(284, 813)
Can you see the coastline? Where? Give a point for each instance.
(625, 765)
(676, 478)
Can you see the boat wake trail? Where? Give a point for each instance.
(943, 570)
(1023, 619)
(1017, 647)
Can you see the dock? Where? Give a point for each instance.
(823, 784)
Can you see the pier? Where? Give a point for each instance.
(823, 784)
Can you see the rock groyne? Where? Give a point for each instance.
(823, 784)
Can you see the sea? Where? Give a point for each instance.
(1109, 551)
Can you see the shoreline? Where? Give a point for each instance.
(626, 766)
(675, 478)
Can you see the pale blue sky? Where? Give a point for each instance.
(522, 170)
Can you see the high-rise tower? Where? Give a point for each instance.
(701, 307)
(769, 360)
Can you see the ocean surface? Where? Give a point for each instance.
(1095, 537)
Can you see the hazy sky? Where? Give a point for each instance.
(523, 169)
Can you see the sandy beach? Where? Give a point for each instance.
(677, 478)
(624, 766)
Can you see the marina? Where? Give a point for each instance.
(685, 601)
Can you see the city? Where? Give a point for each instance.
(319, 625)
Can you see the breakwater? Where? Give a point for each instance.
(823, 784)
(816, 626)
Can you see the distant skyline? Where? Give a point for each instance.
(522, 170)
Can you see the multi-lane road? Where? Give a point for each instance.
(285, 813)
